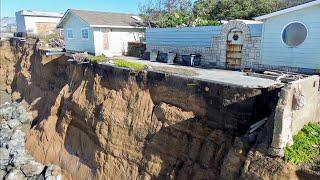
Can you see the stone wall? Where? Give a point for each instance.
(299, 104)
(209, 55)
(215, 55)
(251, 45)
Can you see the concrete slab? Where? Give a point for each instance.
(211, 75)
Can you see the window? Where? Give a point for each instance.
(235, 37)
(85, 33)
(69, 33)
(294, 34)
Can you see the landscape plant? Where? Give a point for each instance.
(306, 145)
(99, 58)
(127, 64)
(177, 13)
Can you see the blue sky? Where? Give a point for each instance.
(9, 7)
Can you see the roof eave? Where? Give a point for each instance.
(62, 19)
(69, 11)
(284, 11)
(126, 27)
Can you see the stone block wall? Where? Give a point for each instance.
(251, 56)
(215, 54)
(208, 54)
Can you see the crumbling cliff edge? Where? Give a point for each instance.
(102, 122)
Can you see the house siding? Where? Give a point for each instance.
(77, 43)
(28, 23)
(118, 39)
(21, 25)
(187, 36)
(275, 52)
(190, 36)
(209, 41)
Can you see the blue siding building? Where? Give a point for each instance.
(185, 36)
(287, 40)
(215, 43)
(291, 37)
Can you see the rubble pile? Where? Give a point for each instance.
(15, 162)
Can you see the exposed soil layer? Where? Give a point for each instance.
(102, 122)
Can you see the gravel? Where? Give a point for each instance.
(15, 162)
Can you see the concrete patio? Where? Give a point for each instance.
(211, 75)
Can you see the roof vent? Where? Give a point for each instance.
(137, 18)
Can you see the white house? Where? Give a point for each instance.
(37, 22)
(291, 37)
(100, 32)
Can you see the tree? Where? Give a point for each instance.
(167, 13)
(172, 13)
(234, 9)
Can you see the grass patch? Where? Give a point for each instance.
(304, 148)
(100, 58)
(132, 65)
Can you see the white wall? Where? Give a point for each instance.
(77, 43)
(28, 23)
(118, 40)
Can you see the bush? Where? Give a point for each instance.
(100, 58)
(127, 64)
(305, 145)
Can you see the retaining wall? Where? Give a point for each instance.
(298, 105)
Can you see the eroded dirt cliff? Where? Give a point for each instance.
(101, 122)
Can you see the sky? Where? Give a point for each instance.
(9, 7)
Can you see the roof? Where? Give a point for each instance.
(40, 13)
(287, 10)
(106, 19)
(249, 21)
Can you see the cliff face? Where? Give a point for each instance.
(101, 122)
(7, 69)
(112, 127)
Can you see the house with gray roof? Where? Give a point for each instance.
(100, 32)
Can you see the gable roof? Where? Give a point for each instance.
(105, 19)
(287, 10)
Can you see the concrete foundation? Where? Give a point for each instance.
(298, 105)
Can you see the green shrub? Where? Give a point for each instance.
(305, 145)
(132, 65)
(100, 58)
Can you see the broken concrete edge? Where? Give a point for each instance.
(168, 74)
(298, 105)
(275, 152)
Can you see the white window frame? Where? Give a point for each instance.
(287, 26)
(82, 34)
(69, 29)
